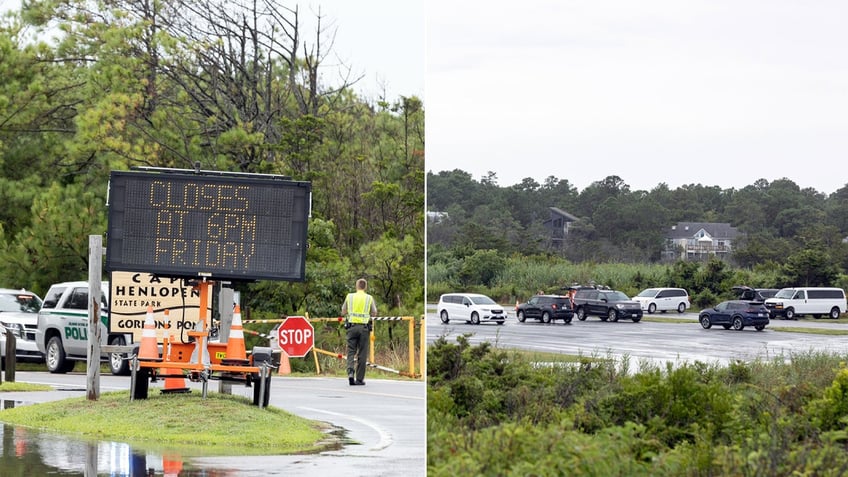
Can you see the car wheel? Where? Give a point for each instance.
(546, 317)
(500, 322)
(520, 316)
(834, 313)
(475, 318)
(118, 362)
(581, 314)
(681, 308)
(817, 315)
(705, 322)
(444, 317)
(54, 356)
(759, 327)
(612, 315)
(652, 308)
(790, 313)
(636, 318)
(737, 323)
(567, 320)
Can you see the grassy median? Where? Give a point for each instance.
(221, 424)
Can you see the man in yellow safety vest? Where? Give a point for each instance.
(358, 308)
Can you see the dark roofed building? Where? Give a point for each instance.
(558, 225)
(700, 240)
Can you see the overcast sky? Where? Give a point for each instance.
(711, 92)
(382, 39)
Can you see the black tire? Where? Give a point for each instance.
(759, 327)
(681, 308)
(520, 316)
(546, 317)
(256, 387)
(118, 364)
(790, 313)
(817, 315)
(834, 313)
(444, 316)
(500, 322)
(705, 322)
(581, 313)
(567, 320)
(726, 326)
(612, 315)
(475, 318)
(55, 358)
(142, 382)
(737, 323)
(652, 308)
(637, 318)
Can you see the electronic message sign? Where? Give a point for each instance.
(217, 226)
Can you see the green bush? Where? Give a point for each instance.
(493, 412)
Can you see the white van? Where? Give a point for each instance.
(470, 307)
(663, 299)
(816, 301)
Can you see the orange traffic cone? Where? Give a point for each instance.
(171, 465)
(235, 343)
(285, 365)
(149, 349)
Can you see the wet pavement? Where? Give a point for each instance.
(383, 424)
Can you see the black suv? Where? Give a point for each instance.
(546, 308)
(607, 304)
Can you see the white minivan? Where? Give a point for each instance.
(663, 299)
(816, 301)
(470, 307)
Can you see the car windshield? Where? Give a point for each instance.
(617, 296)
(482, 300)
(785, 293)
(650, 292)
(19, 302)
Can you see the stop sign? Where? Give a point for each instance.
(296, 336)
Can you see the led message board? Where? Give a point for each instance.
(239, 227)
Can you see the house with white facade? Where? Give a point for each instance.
(700, 240)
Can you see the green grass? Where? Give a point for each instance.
(221, 424)
(18, 387)
(811, 331)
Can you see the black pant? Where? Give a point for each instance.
(358, 337)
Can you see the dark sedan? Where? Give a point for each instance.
(736, 314)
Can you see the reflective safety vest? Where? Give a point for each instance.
(359, 307)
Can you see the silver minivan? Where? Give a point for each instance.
(663, 299)
(470, 307)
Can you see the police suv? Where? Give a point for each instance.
(62, 330)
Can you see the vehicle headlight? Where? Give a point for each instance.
(619, 306)
(17, 329)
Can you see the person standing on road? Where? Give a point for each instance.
(358, 308)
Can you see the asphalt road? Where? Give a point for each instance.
(385, 420)
(684, 340)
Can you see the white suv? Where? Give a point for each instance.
(62, 332)
(663, 299)
(470, 307)
(19, 313)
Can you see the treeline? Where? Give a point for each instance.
(495, 412)
(792, 236)
(89, 88)
(616, 223)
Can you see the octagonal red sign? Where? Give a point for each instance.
(296, 336)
